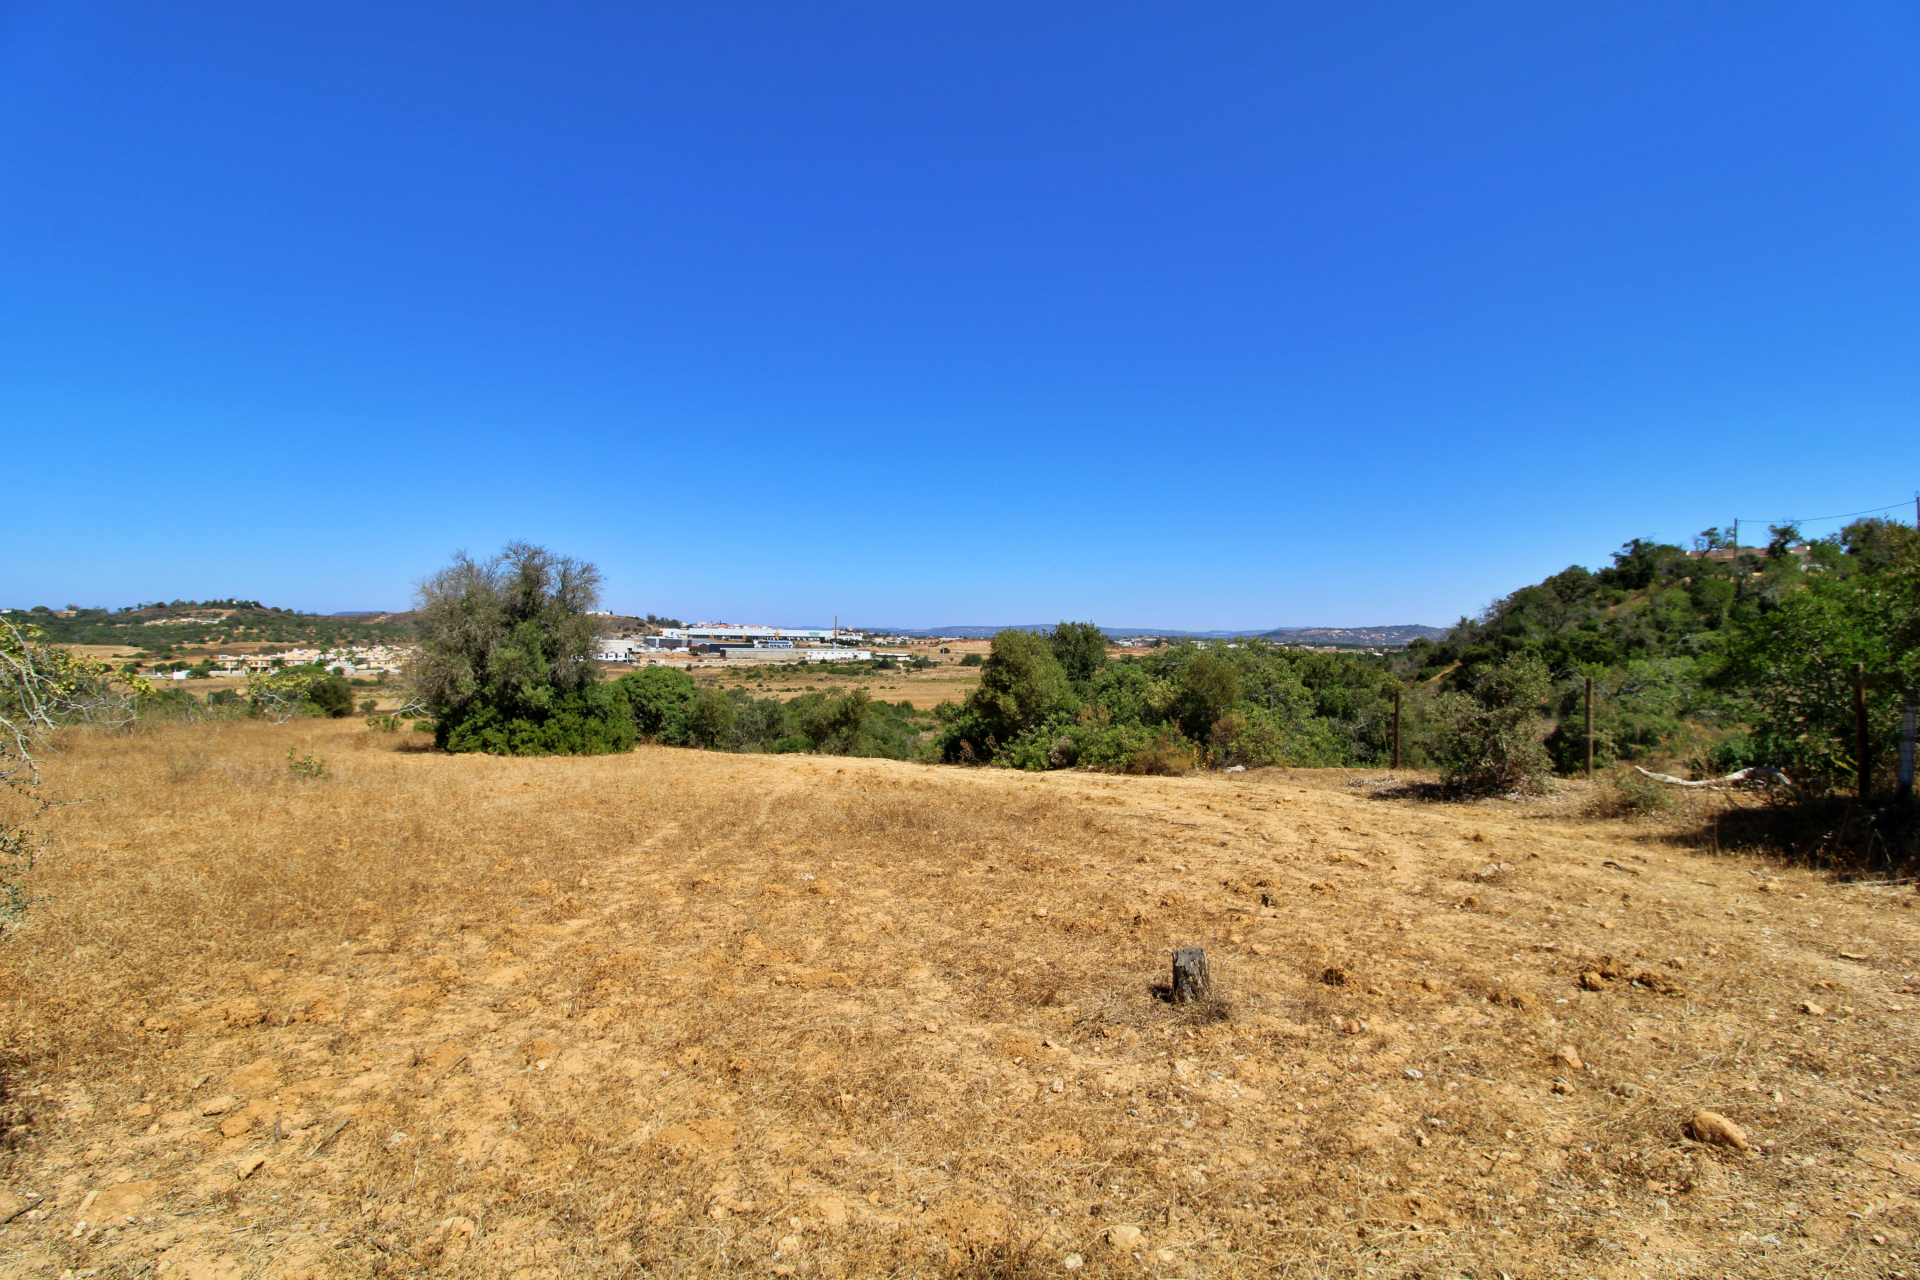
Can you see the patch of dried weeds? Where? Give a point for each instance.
(676, 1013)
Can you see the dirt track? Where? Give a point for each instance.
(677, 1012)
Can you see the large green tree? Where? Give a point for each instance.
(503, 660)
(1021, 684)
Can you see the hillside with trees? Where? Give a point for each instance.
(163, 627)
(1707, 661)
(1704, 661)
(1712, 662)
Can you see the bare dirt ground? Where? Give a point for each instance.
(677, 1013)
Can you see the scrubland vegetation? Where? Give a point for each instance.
(1701, 664)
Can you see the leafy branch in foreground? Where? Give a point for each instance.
(42, 688)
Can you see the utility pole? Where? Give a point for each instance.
(1860, 726)
(1589, 728)
(1396, 728)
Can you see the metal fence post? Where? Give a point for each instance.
(1909, 718)
(1860, 727)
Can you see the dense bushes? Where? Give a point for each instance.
(658, 700)
(1488, 739)
(667, 708)
(583, 722)
(1055, 701)
(331, 696)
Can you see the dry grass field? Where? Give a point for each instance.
(677, 1013)
(924, 689)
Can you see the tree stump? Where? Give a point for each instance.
(1191, 980)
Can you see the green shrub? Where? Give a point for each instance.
(1254, 736)
(1627, 793)
(306, 766)
(972, 660)
(1021, 686)
(1207, 688)
(332, 696)
(710, 720)
(589, 721)
(502, 657)
(831, 723)
(1081, 648)
(658, 700)
(1166, 755)
(1489, 741)
(758, 723)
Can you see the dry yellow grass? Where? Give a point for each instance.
(682, 1013)
(948, 682)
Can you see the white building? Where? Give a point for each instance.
(721, 633)
(608, 649)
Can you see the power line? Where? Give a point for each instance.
(1845, 515)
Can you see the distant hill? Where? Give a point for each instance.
(1394, 636)
(162, 628)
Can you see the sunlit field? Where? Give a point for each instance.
(679, 1012)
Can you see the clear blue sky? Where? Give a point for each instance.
(1181, 315)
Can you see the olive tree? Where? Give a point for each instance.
(43, 687)
(503, 660)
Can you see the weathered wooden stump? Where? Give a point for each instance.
(1191, 980)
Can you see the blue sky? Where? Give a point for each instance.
(1192, 316)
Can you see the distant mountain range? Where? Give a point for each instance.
(1362, 637)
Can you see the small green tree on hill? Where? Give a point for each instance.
(1081, 648)
(659, 699)
(1021, 684)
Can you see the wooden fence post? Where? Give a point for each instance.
(1589, 728)
(1191, 978)
(1860, 726)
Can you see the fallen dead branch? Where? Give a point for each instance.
(1755, 773)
